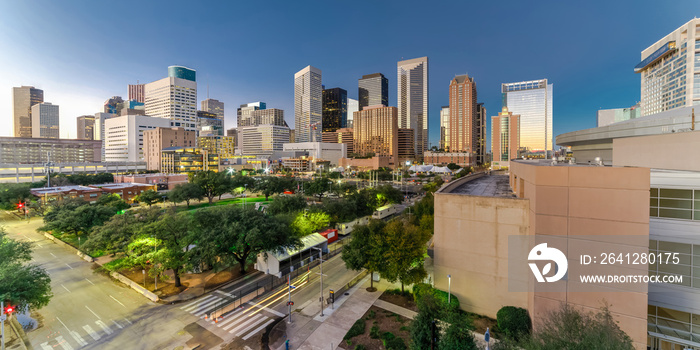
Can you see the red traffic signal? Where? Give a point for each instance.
(290, 303)
(20, 205)
(9, 309)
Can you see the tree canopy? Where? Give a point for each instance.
(149, 197)
(212, 183)
(186, 192)
(364, 250)
(21, 284)
(286, 204)
(270, 185)
(403, 250)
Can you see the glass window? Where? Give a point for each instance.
(675, 203)
(675, 214)
(674, 247)
(675, 193)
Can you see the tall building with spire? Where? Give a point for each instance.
(412, 95)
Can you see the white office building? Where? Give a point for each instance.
(353, 106)
(45, 121)
(308, 98)
(123, 136)
(412, 94)
(444, 127)
(262, 140)
(532, 101)
(174, 98)
(320, 150)
(670, 70)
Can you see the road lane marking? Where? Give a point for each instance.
(52, 255)
(78, 338)
(210, 307)
(268, 309)
(104, 327)
(69, 266)
(91, 332)
(63, 343)
(258, 329)
(242, 331)
(46, 346)
(117, 324)
(93, 312)
(64, 287)
(64, 325)
(115, 299)
(226, 294)
(230, 317)
(193, 304)
(204, 306)
(240, 326)
(127, 321)
(90, 281)
(237, 318)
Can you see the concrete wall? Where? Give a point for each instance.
(578, 208)
(666, 151)
(471, 245)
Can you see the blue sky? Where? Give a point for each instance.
(82, 52)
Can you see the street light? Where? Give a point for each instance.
(449, 288)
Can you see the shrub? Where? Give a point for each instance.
(360, 347)
(357, 328)
(372, 314)
(513, 321)
(386, 338)
(420, 289)
(395, 344)
(374, 332)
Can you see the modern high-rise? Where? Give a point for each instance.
(505, 137)
(243, 112)
(209, 124)
(463, 115)
(136, 92)
(376, 131)
(335, 109)
(174, 98)
(133, 107)
(257, 113)
(124, 140)
(224, 146)
(344, 135)
(214, 106)
(670, 70)
(444, 127)
(412, 95)
(406, 151)
(114, 105)
(100, 118)
(155, 140)
(262, 140)
(86, 127)
(45, 121)
(308, 104)
(353, 106)
(480, 134)
(23, 98)
(532, 101)
(373, 89)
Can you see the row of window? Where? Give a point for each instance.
(674, 203)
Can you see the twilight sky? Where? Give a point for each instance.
(83, 52)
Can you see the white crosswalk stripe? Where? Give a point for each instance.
(236, 318)
(46, 346)
(203, 307)
(268, 310)
(91, 332)
(63, 343)
(104, 327)
(255, 331)
(78, 338)
(193, 304)
(246, 321)
(242, 331)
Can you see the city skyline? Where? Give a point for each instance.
(82, 75)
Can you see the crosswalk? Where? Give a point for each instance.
(243, 322)
(100, 330)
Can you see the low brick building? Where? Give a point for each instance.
(126, 190)
(162, 181)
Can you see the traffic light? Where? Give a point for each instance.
(332, 296)
(9, 309)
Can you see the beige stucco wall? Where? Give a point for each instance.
(672, 151)
(471, 245)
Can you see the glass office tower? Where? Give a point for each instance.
(335, 109)
(532, 100)
(373, 89)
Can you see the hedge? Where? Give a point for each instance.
(513, 321)
(421, 288)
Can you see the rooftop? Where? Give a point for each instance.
(61, 189)
(488, 185)
(121, 185)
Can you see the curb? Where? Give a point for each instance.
(66, 245)
(17, 328)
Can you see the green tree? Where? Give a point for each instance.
(434, 185)
(365, 200)
(60, 208)
(388, 194)
(79, 220)
(422, 326)
(344, 189)
(317, 187)
(11, 194)
(112, 200)
(22, 285)
(286, 204)
(240, 183)
(308, 222)
(453, 166)
(173, 234)
(116, 234)
(212, 183)
(185, 193)
(403, 249)
(270, 185)
(149, 197)
(229, 234)
(569, 328)
(339, 210)
(458, 335)
(364, 250)
(514, 322)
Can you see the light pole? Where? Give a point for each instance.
(449, 288)
(245, 188)
(320, 257)
(154, 264)
(2, 323)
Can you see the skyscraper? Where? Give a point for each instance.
(669, 69)
(174, 97)
(308, 100)
(532, 100)
(373, 89)
(86, 127)
(45, 121)
(462, 115)
(136, 93)
(335, 109)
(214, 106)
(412, 94)
(114, 105)
(376, 131)
(209, 124)
(353, 106)
(23, 99)
(257, 113)
(505, 137)
(480, 134)
(444, 127)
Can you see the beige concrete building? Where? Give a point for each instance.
(344, 135)
(406, 148)
(486, 225)
(363, 164)
(505, 138)
(224, 146)
(155, 140)
(462, 159)
(23, 98)
(86, 127)
(463, 115)
(30, 150)
(376, 131)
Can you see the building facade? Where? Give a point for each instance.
(462, 159)
(444, 127)
(262, 140)
(224, 146)
(253, 115)
(162, 181)
(532, 101)
(124, 139)
(670, 71)
(45, 121)
(136, 93)
(335, 109)
(376, 131)
(174, 98)
(177, 160)
(480, 134)
(23, 98)
(406, 150)
(100, 118)
(463, 115)
(308, 105)
(373, 89)
(616, 115)
(214, 106)
(505, 138)
(155, 140)
(208, 124)
(86, 127)
(412, 94)
(353, 106)
(344, 135)
(33, 172)
(29, 150)
(319, 151)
